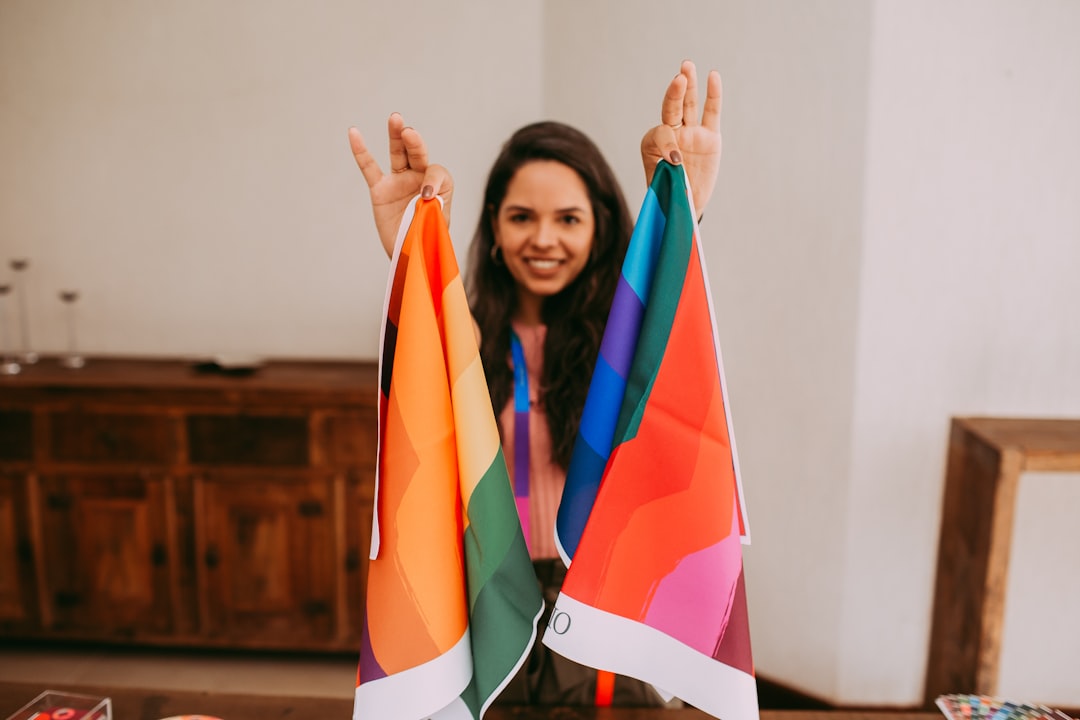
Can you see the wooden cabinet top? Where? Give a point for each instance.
(336, 382)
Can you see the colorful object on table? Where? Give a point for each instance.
(59, 713)
(655, 590)
(982, 707)
(452, 599)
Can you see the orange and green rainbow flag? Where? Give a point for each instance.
(452, 599)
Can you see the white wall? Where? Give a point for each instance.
(969, 284)
(1041, 658)
(894, 240)
(185, 164)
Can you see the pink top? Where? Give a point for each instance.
(546, 478)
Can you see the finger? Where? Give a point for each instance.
(714, 95)
(364, 159)
(690, 99)
(671, 111)
(664, 137)
(415, 149)
(399, 161)
(438, 179)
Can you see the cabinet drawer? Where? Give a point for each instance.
(111, 437)
(16, 435)
(351, 439)
(259, 440)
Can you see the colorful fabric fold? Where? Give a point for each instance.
(452, 599)
(652, 512)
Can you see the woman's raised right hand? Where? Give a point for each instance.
(410, 174)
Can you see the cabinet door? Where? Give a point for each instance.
(269, 557)
(18, 593)
(108, 560)
(348, 440)
(359, 502)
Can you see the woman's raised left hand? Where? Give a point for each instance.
(683, 137)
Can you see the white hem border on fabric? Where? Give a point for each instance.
(431, 690)
(610, 642)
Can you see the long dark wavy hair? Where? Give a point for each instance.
(575, 317)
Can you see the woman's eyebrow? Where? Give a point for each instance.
(558, 211)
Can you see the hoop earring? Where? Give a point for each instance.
(496, 255)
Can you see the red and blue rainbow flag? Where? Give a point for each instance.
(452, 599)
(651, 514)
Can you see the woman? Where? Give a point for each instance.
(543, 267)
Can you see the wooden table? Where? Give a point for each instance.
(986, 458)
(129, 704)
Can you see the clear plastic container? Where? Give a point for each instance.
(59, 705)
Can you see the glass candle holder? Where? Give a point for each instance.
(71, 359)
(26, 355)
(8, 364)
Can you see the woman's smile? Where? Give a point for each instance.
(544, 265)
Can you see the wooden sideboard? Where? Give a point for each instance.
(159, 501)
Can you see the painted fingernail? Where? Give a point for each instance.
(676, 157)
(427, 192)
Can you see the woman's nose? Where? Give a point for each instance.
(546, 235)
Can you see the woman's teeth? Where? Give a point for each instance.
(544, 264)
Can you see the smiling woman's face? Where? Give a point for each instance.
(544, 228)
